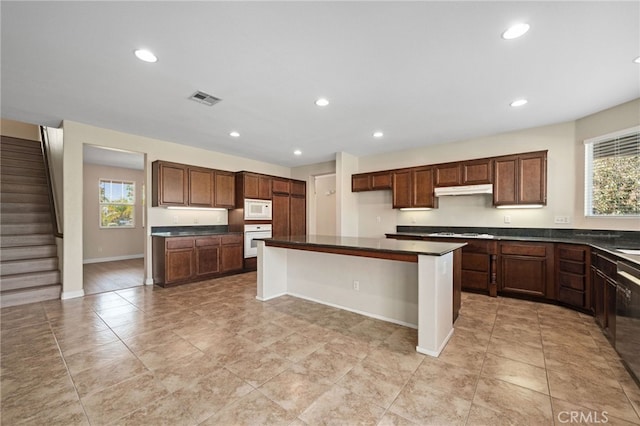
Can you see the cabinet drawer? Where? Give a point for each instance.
(571, 297)
(478, 246)
(207, 241)
(575, 282)
(231, 239)
(475, 280)
(573, 267)
(179, 243)
(523, 250)
(568, 253)
(608, 267)
(475, 262)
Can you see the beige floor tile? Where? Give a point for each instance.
(295, 389)
(339, 406)
(483, 416)
(266, 333)
(447, 377)
(515, 372)
(458, 353)
(97, 378)
(252, 409)
(391, 419)
(518, 404)
(401, 361)
(165, 411)
(258, 367)
(379, 385)
(425, 405)
(96, 357)
(569, 413)
(517, 351)
(295, 347)
(112, 403)
(231, 349)
(329, 365)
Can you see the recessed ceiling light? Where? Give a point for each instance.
(637, 60)
(518, 103)
(297, 152)
(515, 31)
(322, 102)
(234, 134)
(378, 134)
(145, 55)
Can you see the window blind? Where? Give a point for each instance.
(612, 181)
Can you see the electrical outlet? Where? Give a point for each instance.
(561, 219)
(195, 220)
(356, 285)
(175, 219)
(507, 219)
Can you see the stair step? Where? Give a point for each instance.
(27, 240)
(13, 267)
(37, 217)
(26, 228)
(27, 252)
(22, 207)
(35, 156)
(19, 171)
(23, 188)
(34, 180)
(30, 295)
(12, 162)
(30, 279)
(8, 141)
(12, 197)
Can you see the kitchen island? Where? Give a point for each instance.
(404, 282)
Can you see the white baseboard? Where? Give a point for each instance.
(148, 281)
(113, 259)
(72, 294)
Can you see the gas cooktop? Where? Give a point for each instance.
(461, 235)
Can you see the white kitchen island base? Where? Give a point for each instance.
(416, 293)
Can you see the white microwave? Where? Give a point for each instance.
(257, 209)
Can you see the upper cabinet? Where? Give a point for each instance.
(476, 172)
(253, 186)
(371, 181)
(449, 174)
(176, 184)
(520, 179)
(413, 188)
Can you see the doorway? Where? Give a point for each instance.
(113, 219)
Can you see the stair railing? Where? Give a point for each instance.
(53, 206)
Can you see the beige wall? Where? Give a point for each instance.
(100, 244)
(17, 129)
(308, 173)
(325, 202)
(77, 134)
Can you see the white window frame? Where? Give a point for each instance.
(101, 204)
(588, 172)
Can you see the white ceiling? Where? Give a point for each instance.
(421, 72)
(112, 157)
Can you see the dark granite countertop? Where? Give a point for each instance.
(377, 244)
(609, 241)
(186, 231)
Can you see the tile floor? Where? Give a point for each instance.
(109, 276)
(210, 354)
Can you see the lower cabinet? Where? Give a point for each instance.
(526, 269)
(178, 260)
(573, 263)
(604, 271)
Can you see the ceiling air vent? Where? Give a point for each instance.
(204, 98)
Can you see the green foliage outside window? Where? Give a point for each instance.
(117, 199)
(616, 186)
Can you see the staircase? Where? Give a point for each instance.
(28, 255)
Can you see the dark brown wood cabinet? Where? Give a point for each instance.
(604, 271)
(179, 260)
(413, 188)
(176, 184)
(526, 268)
(572, 268)
(476, 172)
(520, 179)
(281, 186)
(289, 211)
(371, 181)
(253, 186)
(449, 174)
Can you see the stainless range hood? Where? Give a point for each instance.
(464, 190)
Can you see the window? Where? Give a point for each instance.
(612, 174)
(117, 199)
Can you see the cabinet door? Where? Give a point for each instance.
(401, 189)
(299, 188)
(281, 219)
(264, 188)
(422, 180)
(231, 257)
(298, 217)
(171, 181)
(448, 174)
(200, 187)
(477, 172)
(381, 180)
(281, 186)
(505, 185)
(360, 183)
(251, 186)
(532, 178)
(225, 190)
(179, 264)
(527, 268)
(207, 260)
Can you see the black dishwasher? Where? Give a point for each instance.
(627, 330)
